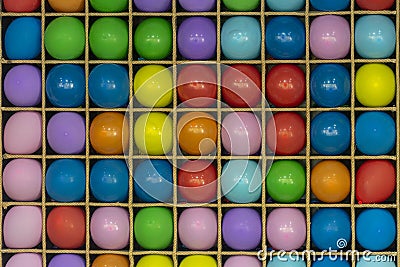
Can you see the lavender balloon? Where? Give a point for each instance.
(241, 228)
(66, 133)
(286, 229)
(240, 261)
(67, 260)
(197, 38)
(153, 5)
(23, 86)
(197, 5)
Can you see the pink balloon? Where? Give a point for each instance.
(109, 228)
(25, 259)
(241, 133)
(23, 227)
(197, 228)
(22, 179)
(240, 261)
(286, 229)
(23, 133)
(330, 37)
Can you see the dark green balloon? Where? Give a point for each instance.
(153, 39)
(154, 228)
(286, 181)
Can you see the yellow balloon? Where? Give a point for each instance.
(198, 261)
(153, 133)
(155, 261)
(375, 85)
(153, 86)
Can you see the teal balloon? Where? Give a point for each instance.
(241, 181)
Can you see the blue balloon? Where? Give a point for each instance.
(153, 181)
(330, 133)
(331, 261)
(65, 86)
(287, 261)
(109, 180)
(66, 180)
(375, 133)
(241, 181)
(287, 5)
(375, 36)
(330, 229)
(330, 85)
(375, 229)
(330, 5)
(376, 261)
(241, 38)
(23, 38)
(109, 86)
(286, 38)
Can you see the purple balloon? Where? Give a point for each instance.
(197, 5)
(66, 133)
(67, 260)
(23, 86)
(330, 37)
(153, 5)
(241, 133)
(241, 228)
(197, 38)
(286, 229)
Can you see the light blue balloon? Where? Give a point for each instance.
(241, 181)
(287, 261)
(376, 261)
(330, 261)
(241, 38)
(286, 5)
(375, 36)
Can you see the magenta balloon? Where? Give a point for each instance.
(241, 133)
(197, 5)
(241, 228)
(25, 259)
(197, 228)
(66, 133)
(240, 261)
(330, 37)
(197, 38)
(23, 85)
(286, 229)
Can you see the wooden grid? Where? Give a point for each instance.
(219, 15)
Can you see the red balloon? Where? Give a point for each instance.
(286, 85)
(197, 86)
(66, 227)
(286, 133)
(21, 5)
(241, 86)
(375, 4)
(375, 181)
(197, 181)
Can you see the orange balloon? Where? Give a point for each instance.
(111, 260)
(330, 181)
(109, 134)
(197, 133)
(68, 6)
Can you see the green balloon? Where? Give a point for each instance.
(108, 38)
(64, 38)
(286, 181)
(154, 228)
(153, 38)
(109, 6)
(241, 5)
